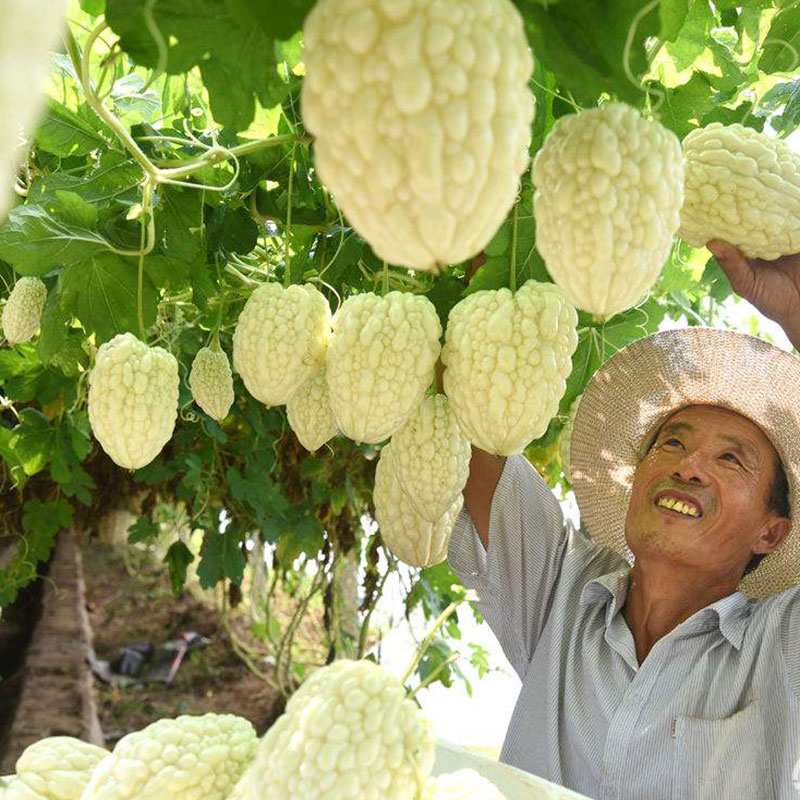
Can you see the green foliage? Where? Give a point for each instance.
(158, 202)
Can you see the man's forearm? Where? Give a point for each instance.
(485, 470)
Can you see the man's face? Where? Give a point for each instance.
(723, 465)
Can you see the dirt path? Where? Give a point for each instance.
(126, 609)
(89, 599)
(54, 687)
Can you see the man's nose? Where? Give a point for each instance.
(691, 468)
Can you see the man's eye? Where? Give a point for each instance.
(732, 456)
(667, 441)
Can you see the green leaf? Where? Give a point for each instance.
(221, 557)
(53, 333)
(673, 14)
(685, 105)
(65, 467)
(33, 440)
(63, 133)
(278, 20)
(783, 97)
(446, 292)
(437, 653)
(34, 241)
(143, 531)
(167, 272)
(102, 295)
(178, 558)
(203, 287)
(74, 210)
(597, 343)
(779, 51)
(42, 521)
(93, 7)
(113, 177)
(179, 221)
(584, 42)
(693, 39)
(262, 496)
(716, 281)
(304, 535)
(232, 230)
(201, 33)
(529, 265)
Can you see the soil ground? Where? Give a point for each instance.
(126, 609)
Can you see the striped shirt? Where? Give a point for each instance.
(713, 712)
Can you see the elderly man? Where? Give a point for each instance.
(678, 677)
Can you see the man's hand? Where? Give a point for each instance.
(773, 287)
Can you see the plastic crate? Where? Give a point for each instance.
(512, 782)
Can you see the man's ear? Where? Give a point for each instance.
(773, 534)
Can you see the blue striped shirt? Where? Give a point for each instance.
(713, 712)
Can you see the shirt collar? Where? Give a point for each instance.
(729, 614)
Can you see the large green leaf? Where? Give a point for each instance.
(584, 43)
(33, 440)
(221, 557)
(64, 133)
(102, 294)
(779, 51)
(43, 520)
(179, 221)
(597, 343)
(35, 241)
(113, 177)
(277, 20)
(201, 33)
(673, 14)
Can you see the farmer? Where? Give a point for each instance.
(678, 677)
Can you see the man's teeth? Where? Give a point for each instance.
(678, 505)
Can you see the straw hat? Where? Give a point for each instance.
(629, 397)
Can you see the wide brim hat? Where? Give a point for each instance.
(629, 397)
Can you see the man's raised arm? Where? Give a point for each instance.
(485, 470)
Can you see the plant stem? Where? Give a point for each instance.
(514, 224)
(426, 642)
(287, 277)
(81, 64)
(385, 285)
(147, 213)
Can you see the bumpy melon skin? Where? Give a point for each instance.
(743, 187)
(22, 313)
(609, 189)
(189, 757)
(422, 116)
(465, 784)
(431, 457)
(133, 400)
(211, 382)
(507, 357)
(54, 768)
(280, 340)
(309, 412)
(409, 536)
(380, 362)
(349, 731)
(29, 30)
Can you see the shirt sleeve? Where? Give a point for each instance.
(517, 576)
(789, 616)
